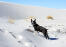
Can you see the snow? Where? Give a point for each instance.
(22, 34)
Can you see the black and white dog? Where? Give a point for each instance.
(39, 28)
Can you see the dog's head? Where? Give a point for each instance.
(33, 22)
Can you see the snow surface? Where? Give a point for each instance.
(21, 32)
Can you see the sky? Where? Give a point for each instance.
(58, 4)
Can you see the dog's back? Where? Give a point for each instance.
(40, 28)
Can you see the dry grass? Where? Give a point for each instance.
(29, 18)
(49, 17)
(12, 21)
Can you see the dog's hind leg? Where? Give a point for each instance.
(46, 35)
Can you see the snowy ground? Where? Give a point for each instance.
(21, 34)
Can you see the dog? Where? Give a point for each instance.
(39, 28)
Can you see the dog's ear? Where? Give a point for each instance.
(35, 20)
(46, 29)
(31, 20)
